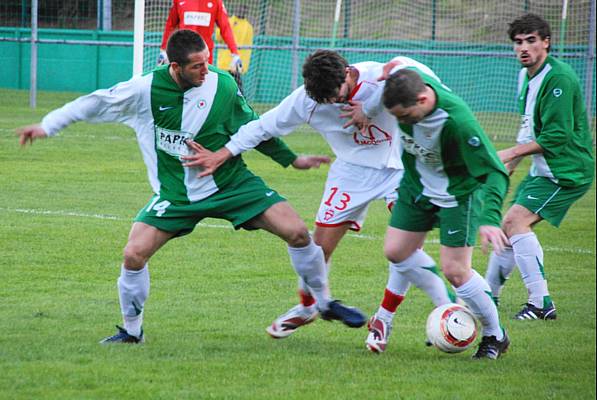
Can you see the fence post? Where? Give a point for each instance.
(590, 65)
(296, 31)
(33, 65)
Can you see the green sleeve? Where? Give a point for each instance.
(484, 165)
(278, 151)
(554, 119)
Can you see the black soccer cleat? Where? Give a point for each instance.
(122, 336)
(350, 316)
(530, 312)
(492, 348)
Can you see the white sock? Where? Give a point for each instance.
(529, 257)
(309, 264)
(499, 268)
(398, 282)
(419, 270)
(385, 315)
(305, 288)
(133, 289)
(477, 296)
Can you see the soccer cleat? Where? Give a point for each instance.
(492, 348)
(350, 316)
(379, 331)
(287, 323)
(122, 336)
(530, 312)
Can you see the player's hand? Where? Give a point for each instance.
(236, 64)
(308, 162)
(354, 112)
(506, 155)
(163, 58)
(29, 133)
(495, 236)
(205, 159)
(387, 70)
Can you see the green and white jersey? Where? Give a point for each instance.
(554, 115)
(163, 117)
(447, 156)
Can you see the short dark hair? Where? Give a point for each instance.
(529, 23)
(402, 88)
(324, 71)
(182, 43)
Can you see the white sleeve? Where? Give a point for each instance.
(117, 104)
(374, 105)
(279, 121)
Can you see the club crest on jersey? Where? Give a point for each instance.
(474, 141)
(201, 104)
(557, 92)
(374, 136)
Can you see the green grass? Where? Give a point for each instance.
(66, 206)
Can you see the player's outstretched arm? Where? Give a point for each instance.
(30, 133)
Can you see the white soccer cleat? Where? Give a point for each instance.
(379, 331)
(286, 324)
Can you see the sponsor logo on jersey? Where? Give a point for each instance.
(373, 136)
(453, 232)
(425, 155)
(164, 108)
(197, 18)
(172, 142)
(557, 92)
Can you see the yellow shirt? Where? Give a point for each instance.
(243, 34)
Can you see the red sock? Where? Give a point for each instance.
(306, 298)
(391, 301)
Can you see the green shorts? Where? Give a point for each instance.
(547, 199)
(237, 203)
(458, 225)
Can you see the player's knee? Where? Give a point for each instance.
(133, 257)
(455, 272)
(511, 225)
(298, 236)
(395, 254)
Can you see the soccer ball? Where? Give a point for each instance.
(451, 328)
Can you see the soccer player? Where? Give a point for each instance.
(188, 105)
(367, 167)
(200, 16)
(452, 179)
(555, 131)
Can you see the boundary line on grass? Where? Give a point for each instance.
(62, 213)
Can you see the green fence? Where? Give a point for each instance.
(83, 68)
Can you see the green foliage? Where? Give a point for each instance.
(66, 206)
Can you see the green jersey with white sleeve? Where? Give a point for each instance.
(164, 117)
(555, 117)
(447, 156)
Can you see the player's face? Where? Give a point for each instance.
(408, 115)
(530, 49)
(193, 73)
(344, 92)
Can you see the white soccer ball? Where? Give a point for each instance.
(452, 328)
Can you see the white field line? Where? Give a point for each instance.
(62, 213)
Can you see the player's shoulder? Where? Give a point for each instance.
(224, 77)
(561, 71)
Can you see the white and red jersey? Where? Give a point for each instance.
(377, 148)
(200, 16)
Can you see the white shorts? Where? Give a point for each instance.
(350, 188)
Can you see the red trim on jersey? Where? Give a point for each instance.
(391, 205)
(353, 225)
(391, 300)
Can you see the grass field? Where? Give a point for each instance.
(66, 206)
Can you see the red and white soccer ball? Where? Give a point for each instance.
(452, 328)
